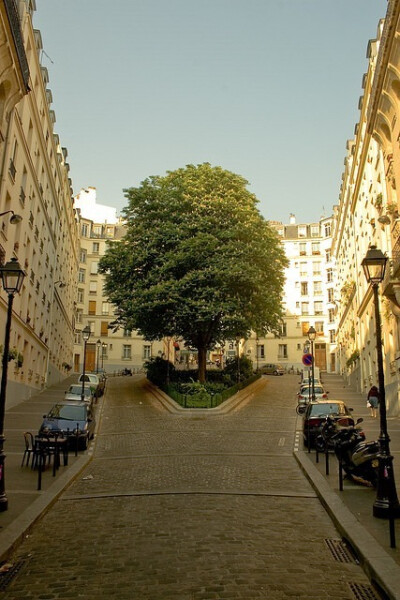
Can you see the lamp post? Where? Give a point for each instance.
(12, 277)
(86, 336)
(386, 504)
(98, 344)
(14, 219)
(311, 336)
(103, 351)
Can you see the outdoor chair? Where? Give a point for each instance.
(30, 448)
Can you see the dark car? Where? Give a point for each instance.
(315, 414)
(71, 419)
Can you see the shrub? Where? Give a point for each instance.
(157, 370)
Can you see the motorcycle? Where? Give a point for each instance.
(359, 458)
(324, 441)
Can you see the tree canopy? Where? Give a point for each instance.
(198, 260)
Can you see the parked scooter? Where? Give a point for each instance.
(359, 458)
(324, 441)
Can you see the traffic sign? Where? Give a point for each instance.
(307, 360)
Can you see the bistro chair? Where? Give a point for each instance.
(30, 448)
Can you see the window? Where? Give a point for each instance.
(298, 346)
(11, 169)
(319, 327)
(303, 249)
(82, 256)
(96, 248)
(314, 230)
(282, 351)
(146, 351)
(332, 336)
(305, 326)
(304, 288)
(104, 328)
(105, 308)
(92, 287)
(261, 351)
(318, 308)
(317, 288)
(127, 332)
(302, 231)
(315, 248)
(97, 229)
(327, 229)
(331, 315)
(330, 294)
(85, 230)
(94, 267)
(329, 275)
(80, 296)
(92, 307)
(78, 337)
(303, 269)
(304, 308)
(316, 268)
(126, 352)
(81, 275)
(328, 255)
(79, 314)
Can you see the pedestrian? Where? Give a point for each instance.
(373, 400)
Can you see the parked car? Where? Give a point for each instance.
(94, 382)
(305, 394)
(72, 419)
(126, 371)
(75, 393)
(308, 381)
(316, 413)
(272, 369)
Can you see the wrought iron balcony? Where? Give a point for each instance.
(13, 18)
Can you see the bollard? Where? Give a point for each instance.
(326, 460)
(340, 475)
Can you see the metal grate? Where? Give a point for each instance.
(341, 551)
(363, 592)
(8, 574)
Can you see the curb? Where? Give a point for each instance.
(223, 408)
(381, 569)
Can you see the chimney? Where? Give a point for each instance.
(292, 219)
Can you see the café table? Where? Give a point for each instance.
(50, 446)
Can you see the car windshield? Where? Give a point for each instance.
(68, 412)
(322, 410)
(77, 390)
(307, 390)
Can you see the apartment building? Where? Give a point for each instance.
(309, 299)
(367, 214)
(109, 346)
(34, 185)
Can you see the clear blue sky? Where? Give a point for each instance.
(268, 89)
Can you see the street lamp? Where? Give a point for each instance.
(14, 219)
(98, 344)
(103, 351)
(86, 336)
(311, 336)
(12, 277)
(386, 504)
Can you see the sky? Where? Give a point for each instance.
(268, 89)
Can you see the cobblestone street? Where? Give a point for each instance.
(188, 507)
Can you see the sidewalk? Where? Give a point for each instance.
(351, 509)
(25, 502)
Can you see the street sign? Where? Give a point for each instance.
(307, 360)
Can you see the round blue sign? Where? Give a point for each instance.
(307, 360)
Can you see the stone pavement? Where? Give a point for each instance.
(191, 506)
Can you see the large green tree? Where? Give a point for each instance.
(198, 260)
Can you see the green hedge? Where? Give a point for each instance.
(203, 399)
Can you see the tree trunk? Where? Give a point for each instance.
(202, 355)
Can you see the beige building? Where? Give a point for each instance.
(34, 184)
(109, 346)
(367, 214)
(308, 299)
